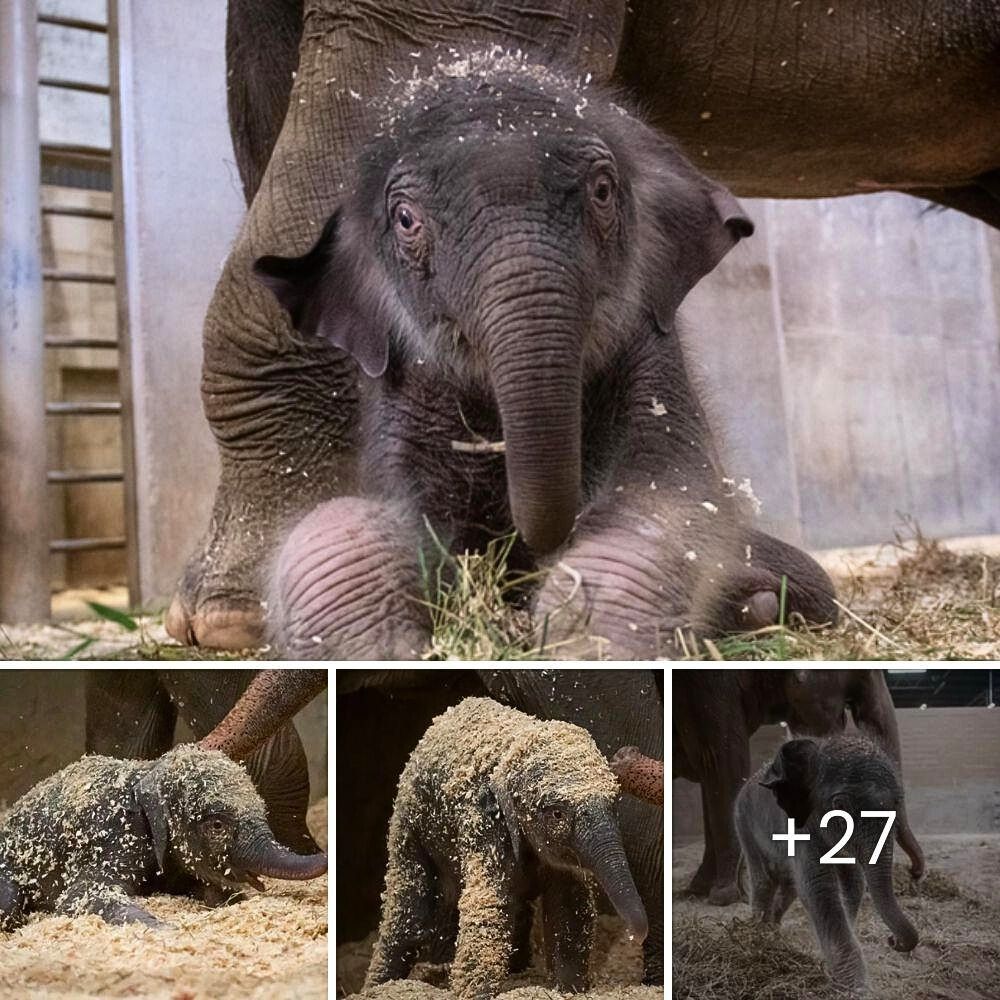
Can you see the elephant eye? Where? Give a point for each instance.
(557, 814)
(601, 188)
(407, 221)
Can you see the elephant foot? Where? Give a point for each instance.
(218, 623)
(724, 895)
(218, 599)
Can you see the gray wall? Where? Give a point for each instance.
(951, 768)
(42, 719)
(851, 353)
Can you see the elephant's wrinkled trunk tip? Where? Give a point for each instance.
(274, 861)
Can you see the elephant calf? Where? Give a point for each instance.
(495, 808)
(98, 833)
(807, 779)
(506, 274)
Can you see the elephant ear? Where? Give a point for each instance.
(696, 222)
(505, 804)
(338, 291)
(791, 777)
(149, 797)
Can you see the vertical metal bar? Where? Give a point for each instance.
(123, 193)
(24, 542)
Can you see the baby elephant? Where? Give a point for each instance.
(98, 833)
(506, 273)
(807, 779)
(495, 808)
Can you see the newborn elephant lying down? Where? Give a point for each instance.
(506, 275)
(98, 833)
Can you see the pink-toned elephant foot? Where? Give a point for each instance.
(217, 623)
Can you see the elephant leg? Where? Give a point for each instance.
(819, 889)
(407, 913)
(852, 886)
(12, 904)
(809, 592)
(520, 955)
(762, 892)
(568, 917)
(347, 586)
(703, 879)
(783, 898)
(719, 791)
(128, 714)
(486, 917)
(110, 902)
(614, 593)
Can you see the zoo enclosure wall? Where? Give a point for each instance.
(42, 715)
(951, 770)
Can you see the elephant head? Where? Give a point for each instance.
(206, 819)
(559, 799)
(511, 227)
(810, 778)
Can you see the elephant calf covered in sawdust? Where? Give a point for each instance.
(102, 831)
(494, 809)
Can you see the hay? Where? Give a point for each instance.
(721, 954)
(272, 946)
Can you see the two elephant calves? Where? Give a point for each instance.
(807, 780)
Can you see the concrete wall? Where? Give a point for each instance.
(851, 351)
(42, 720)
(951, 767)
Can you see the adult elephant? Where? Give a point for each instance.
(392, 709)
(715, 712)
(772, 98)
(133, 714)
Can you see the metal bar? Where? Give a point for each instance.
(72, 22)
(79, 85)
(24, 566)
(85, 544)
(82, 343)
(82, 476)
(125, 194)
(75, 149)
(54, 274)
(79, 212)
(107, 408)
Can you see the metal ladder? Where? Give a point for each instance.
(25, 480)
(111, 408)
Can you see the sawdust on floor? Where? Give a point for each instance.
(615, 972)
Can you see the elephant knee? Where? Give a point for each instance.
(345, 585)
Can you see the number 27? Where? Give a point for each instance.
(885, 814)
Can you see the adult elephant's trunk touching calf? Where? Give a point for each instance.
(535, 368)
(599, 848)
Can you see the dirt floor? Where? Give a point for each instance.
(913, 599)
(615, 972)
(272, 946)
(720, 954)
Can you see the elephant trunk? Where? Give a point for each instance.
(270, 700)
(258, 854)
(879, 879)
(908, 842)
(536, 373)
(599, 848)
